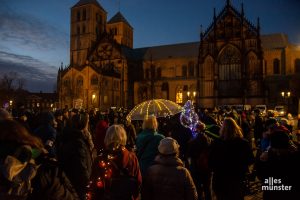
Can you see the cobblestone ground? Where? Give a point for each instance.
(255, 192)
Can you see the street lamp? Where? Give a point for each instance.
(93, 99)
(10, 102)
(188, 94)
(286, 96)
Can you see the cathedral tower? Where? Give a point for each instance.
(121, 30)
(88, 21)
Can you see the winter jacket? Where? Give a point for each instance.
(100, 132)
(168, 179)
(105, 170)
(283, 164)
(147, 142)
(75, 159)
(39, 174)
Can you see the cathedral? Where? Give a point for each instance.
(232, 63)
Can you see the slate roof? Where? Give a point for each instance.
(274, 41)
(118, 18)
(84, 2)
(168, 51)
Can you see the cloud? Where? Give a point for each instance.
(27, 31)
(37, 74)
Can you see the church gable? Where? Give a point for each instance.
(230, 23)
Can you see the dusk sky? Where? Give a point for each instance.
(34, 34)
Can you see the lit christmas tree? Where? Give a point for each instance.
(189, 117)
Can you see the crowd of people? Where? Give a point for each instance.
(73, 154)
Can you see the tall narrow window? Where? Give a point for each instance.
(158, 71)
(147, 74)
(191, 69)
(83, 29)
(230, 74)
(297, 66)
(276, 66)
(79, 81)
(78, 15)
(94, 80)
(184, 70)
(78, 30)
(84, 14)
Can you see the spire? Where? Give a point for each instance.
(201, 32)
(242, 12)
(228, 3)
(214, 14)
(258, 25)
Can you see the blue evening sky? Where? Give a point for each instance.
(34, 34)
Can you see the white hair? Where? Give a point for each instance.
(116, 135)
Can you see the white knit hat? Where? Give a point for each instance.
(168, 146)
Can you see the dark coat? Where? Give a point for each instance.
(168, 179)
(283, 164)
(229, 161)
(49, 183)
(75, 158)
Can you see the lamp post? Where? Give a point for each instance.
(188, 95)
(93, 99)
(194, 96)
(286, 96)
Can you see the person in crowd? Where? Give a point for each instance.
(280, 162)
(100, 132)
(131, 135)
(229, 159)
(74, 153)
(168, 178)
(108, 166)
(258, 127)
(198, 152)
(37, 176)
(60, 121)
(23, 119)
(182, 135)
(47, 132)
(147, 142)
(4, 114)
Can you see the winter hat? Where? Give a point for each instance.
(168, 146)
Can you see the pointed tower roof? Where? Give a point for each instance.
(118, 18)
(84, 2)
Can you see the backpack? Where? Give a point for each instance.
(16, 173)
(110, 182)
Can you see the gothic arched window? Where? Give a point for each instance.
(158, 71)
(184, 70)
(230, 73)
(94, 80)
(230, 64)
(208, 73)
(276, 66)
(191, 69)
(78, 15)
(79, 81)
(297, 65)
(84, 14)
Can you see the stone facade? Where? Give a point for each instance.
(231, 64)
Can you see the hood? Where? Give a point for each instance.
(168, 160)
